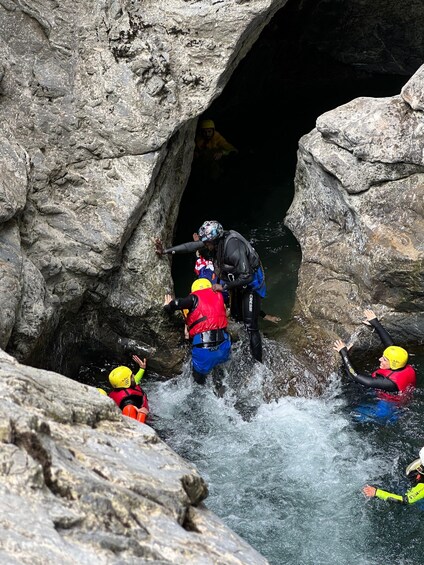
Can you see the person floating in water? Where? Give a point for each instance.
(238, 267)
(415, 473)
(206, 320)
(127, 392)
(394, 380)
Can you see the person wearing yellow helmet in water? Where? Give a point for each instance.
(211, 143)
(206, 320)
(212, 154)
(127, 392)
(394, 380)
(415, 473)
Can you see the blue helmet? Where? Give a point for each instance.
(210, 230)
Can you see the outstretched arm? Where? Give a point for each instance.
(372, 320)
(372, 492)
(379, 382)
(172, 304)
(189, 247)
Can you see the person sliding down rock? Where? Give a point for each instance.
(394, 379)
(206, 320)
(127, 392)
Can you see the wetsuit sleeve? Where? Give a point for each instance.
(384, 495)
(139, 375)
(187, 303)
(188, 247)
(380, 382)
(415, 494)
(237, 256)
(382, 333)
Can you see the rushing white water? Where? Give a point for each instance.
(288, 479)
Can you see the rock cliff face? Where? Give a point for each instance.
(82, 484)
(358, 214)
(99, 102)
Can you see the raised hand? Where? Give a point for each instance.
(369, 315)
(168, 299)
(338, 345)
(369, 491)
(142, 363)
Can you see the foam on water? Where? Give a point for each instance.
(288, 479)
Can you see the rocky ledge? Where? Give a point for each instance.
(80, 483)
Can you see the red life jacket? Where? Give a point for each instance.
(135, 394)
(405, 379)
(209, 314)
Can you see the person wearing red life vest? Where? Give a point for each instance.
(206, 321)
(127, 392)
(394, 379)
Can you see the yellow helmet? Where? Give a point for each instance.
(102, 391)
(397, 356)
(120, 377)
(207, 124)
(201, 284)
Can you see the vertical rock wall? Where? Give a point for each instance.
(98, 105)
(358, 213)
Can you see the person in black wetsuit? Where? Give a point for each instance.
(238, 267)
(394, 378)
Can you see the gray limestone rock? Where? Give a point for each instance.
(360, 174)
(412, 92)
(93, 94)
(80, 483)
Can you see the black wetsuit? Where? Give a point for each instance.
(236, 263)
(380, 382)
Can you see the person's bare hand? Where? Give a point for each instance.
(339, 345)
(158, 246)
(217, 287)
(273, 319)
(168, 299)
(196, 236)
(369, 315)
(142, 363)
(369, 491)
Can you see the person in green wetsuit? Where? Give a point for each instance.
(415, 472)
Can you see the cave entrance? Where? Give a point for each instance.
(292, 74)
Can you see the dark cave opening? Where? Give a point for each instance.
(306, 61)
(296, 71)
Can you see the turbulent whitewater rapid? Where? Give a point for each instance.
(287, 476)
